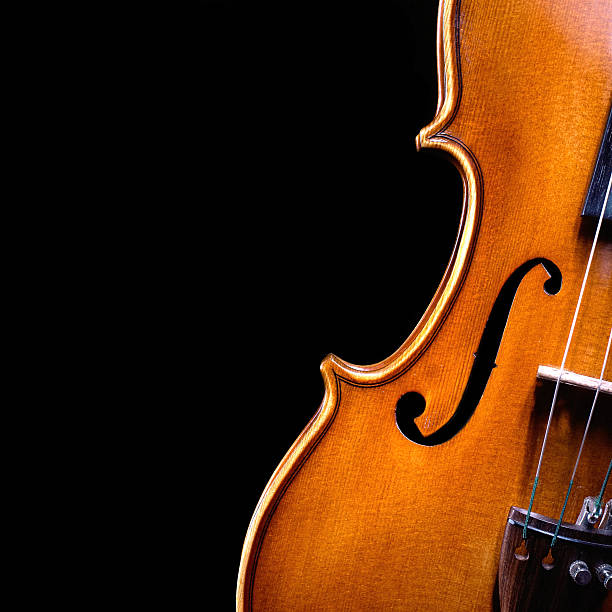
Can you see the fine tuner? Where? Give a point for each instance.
(581, 575)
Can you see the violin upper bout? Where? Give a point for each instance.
(434, 136)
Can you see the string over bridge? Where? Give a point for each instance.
(573, 379)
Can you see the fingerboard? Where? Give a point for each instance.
(596, 196)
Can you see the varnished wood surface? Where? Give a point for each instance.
(358, 517)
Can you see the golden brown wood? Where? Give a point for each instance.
(358, 517)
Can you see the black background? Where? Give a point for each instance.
(326, 231)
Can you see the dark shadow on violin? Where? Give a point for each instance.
(412, 404)
(572, 409)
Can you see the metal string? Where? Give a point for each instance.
(586, 431)
(603, 488)
(567, 346)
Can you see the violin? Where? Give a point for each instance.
(470, 469)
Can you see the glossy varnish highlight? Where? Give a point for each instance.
(357, 517)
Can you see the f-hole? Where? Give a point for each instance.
(412, 404)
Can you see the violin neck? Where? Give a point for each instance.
(598, 195)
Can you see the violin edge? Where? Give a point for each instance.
(333, 369)
(284, 473)
(434, 136)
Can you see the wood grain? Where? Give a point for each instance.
(357, 517)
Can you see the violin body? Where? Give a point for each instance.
(362, 516)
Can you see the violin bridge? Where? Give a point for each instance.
(576, 380)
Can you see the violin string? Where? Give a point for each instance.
(562, 368)
(586, 431)
(603, 488)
